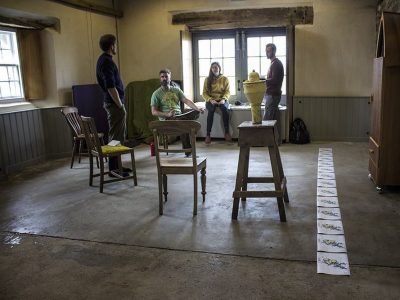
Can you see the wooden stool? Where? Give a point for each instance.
(259, 135)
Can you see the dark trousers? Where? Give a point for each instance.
(210, 117)
(189, 115)
(117, 128)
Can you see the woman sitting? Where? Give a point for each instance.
(216, 94)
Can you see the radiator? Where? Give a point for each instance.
(28, 137)
(334, 118)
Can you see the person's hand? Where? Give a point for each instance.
(170, 114)
(222, 101)
(213, 102)
(201, 110)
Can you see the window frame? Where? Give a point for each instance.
(240, 35)
(15, 47)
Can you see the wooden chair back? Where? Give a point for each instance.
(73, 119)
(91, 135)
(162, 129)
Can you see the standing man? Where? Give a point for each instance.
(165, 103)
(113, 89)
(274, 84)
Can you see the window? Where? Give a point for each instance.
(239, 52)
(10, 71)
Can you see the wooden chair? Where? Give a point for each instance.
(175, 164)
(103, 151)
(73, 120)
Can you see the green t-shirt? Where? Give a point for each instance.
(167, 100)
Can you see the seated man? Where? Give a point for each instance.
(165, 104)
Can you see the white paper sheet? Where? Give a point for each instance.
(326, 169)
(329, 213)
(324, 175)
(331, 243)
(326, 182)
(325, 164)
(325, 158)
(327, 192)
(333, 263)
(327, 201)
(330, 227)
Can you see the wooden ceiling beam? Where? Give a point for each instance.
(88, 6)
(243, 18)
(20, 19)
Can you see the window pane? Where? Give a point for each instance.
(216, 48)
(204, 67)
(5, 90)
(10, 78)
(16, 73)
(265, 62)
(228, 46)
(5, 40)
(10, 70)
(218, 60)
(280, 43)
(253, 63)
(201, 84)
(253, 46)
(232, 84)
(229, 67)
(204, 48)
(264, 41)
(3, 73)
(6, 54)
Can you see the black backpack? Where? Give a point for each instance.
(298, 133)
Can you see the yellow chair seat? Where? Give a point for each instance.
(112, 149)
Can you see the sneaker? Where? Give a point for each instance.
(207, 140)
(228, 137)
(128, 170)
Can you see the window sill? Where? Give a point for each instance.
(15, 106)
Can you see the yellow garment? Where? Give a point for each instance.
(219, 89)
(112, 149)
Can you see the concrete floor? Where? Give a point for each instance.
(62, 239)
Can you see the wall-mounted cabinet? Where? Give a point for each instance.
(384, 141)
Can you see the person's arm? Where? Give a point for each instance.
(191, 104)
(107, 72)
(226, 89)
(115, 96)
(205, 94)
(157, 113)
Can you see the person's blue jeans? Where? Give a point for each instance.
(210, 117)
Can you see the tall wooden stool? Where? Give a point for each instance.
(259, 135)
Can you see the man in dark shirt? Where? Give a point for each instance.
(113, 89)
(274, 84)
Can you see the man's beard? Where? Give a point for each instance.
(165, 83)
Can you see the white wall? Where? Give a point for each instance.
(333, 56)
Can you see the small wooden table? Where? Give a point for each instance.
(259, 135)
